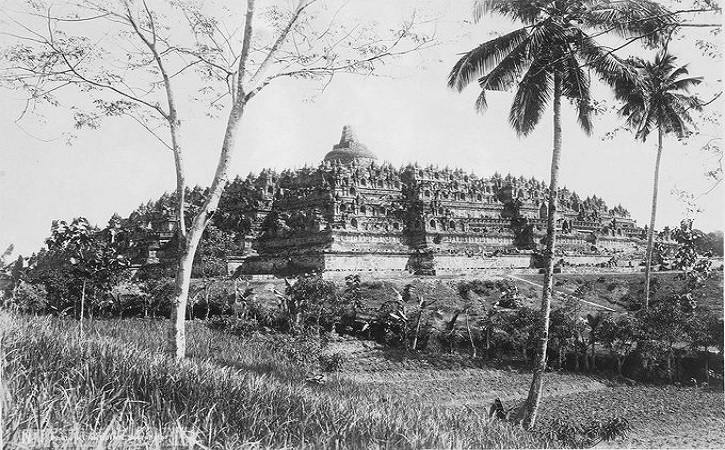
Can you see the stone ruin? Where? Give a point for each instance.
(353, 213)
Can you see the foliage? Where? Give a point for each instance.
(516, 329)
(552, 41)
(657, 98)
(619, 337)
(567, 327)
(332, 362)
(510, 297)
(28, 298)
(211, 256)
(695, 268)
(309, 300)
(92, 257)
(710, 243)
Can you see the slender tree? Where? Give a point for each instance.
(545, 60)
(660, 101)
(141, 60)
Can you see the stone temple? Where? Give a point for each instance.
(353, 213)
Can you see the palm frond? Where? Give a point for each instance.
(617, 73)
(575, 84)
(483, 58)
(481, 103)
(677, 73)
(684, 84)
(689, 102)
(532, 97)
(508, 69)
(672, 121)
(659, 99)
(526, 11)
(629, 18)
(646, 124)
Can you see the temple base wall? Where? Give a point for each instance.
(457, 263)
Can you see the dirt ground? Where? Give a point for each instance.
(660, 416)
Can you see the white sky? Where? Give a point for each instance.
(411, 116)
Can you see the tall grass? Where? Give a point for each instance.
(114, 388)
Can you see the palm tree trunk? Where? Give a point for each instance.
(650, 231)
(531, 406)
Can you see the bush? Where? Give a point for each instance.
(28, 298)
(332, 363)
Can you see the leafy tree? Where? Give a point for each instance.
(53, 271)
(567, 329)
(657, 100)
(519, 329)
(695, 269)
(94, 261)
(210, 259)
(705, 330)
(664, 325)
(594, 322)
(711, 242)
(308, 300)
(620, 337)
(28, 298)
(552, 55)
(136, 68)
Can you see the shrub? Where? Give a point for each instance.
(332, 362)
(28, 298)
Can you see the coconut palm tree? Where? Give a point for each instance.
(659, 101)
(549, 58)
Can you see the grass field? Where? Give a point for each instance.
(115, 389)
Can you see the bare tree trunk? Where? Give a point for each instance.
(488, 341)
(83, 304)
(620, 363)
(4, 390)
(650, 231)
(561, 357)
(207, 302)
(531, 406)
(470, 337)
(417, 330)
(177, 334)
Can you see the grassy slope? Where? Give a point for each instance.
(115, 388)
(609, 289)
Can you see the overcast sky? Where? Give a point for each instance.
(408, 116)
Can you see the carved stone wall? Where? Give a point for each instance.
(352, 213)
